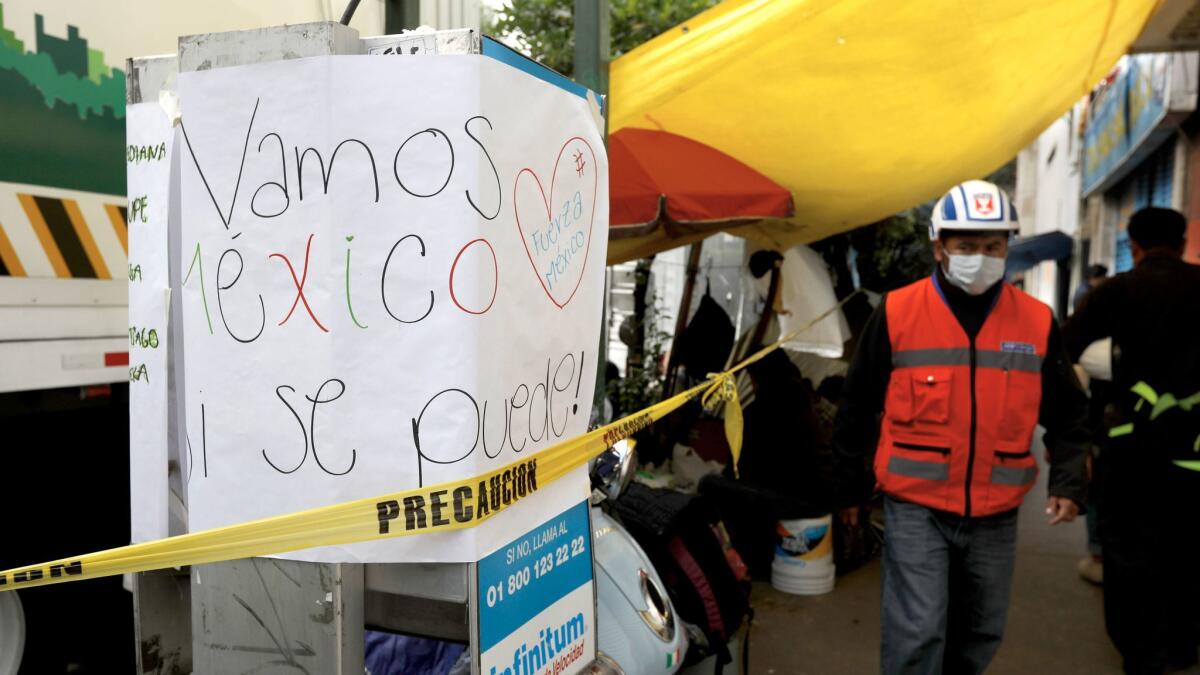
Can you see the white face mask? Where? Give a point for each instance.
(974, 273)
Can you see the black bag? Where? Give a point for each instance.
(704, 345)
(679, 534)
(752, 513)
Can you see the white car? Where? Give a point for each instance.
(637, 627)
(12, 633)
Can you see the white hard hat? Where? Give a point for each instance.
(975, 205)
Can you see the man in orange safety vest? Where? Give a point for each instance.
(950, 379)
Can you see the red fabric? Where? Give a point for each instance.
(700, 183)
(928, 406)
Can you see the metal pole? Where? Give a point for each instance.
(349, 13)
(399, 15)
(592, 44)
(592, 49)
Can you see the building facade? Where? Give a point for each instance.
(1132, 143)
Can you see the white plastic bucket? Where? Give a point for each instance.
(803, 562)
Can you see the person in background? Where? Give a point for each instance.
(1096, 371)
(1148, 507)
(961, 367)
(612, 394)
(1093, 277)
(1091, 567)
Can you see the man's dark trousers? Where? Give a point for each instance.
(1150, 538)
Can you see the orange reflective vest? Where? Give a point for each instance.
(960, 414)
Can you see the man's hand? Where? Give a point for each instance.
(1061, 510)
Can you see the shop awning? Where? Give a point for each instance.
(863, 109)
(1027, 252)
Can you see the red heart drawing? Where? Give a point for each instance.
(558, 246)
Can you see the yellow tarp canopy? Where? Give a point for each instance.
(864, 108)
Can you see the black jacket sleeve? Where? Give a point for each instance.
(1094, 318)
(856, 427)
(1064, 412)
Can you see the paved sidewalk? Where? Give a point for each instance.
(1055, 624)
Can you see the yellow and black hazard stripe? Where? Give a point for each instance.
(10, 263)
(119, 217)
(61, 235)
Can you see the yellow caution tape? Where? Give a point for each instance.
(724, 392)
(453, 505)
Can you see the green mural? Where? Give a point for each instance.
(8, 39)
(63, 112)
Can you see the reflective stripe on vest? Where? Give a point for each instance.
(1003, 475)
(1162, 404)
(914, 469)
(1026, 363)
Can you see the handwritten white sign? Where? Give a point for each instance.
(392, 277)
(148, 168)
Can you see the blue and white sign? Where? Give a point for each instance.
(1123, 116)
(536, 600)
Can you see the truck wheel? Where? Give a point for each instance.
(12, 633)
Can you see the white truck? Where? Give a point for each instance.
(64, 339)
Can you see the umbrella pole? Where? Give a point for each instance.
(681, 317)
(768, 313)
